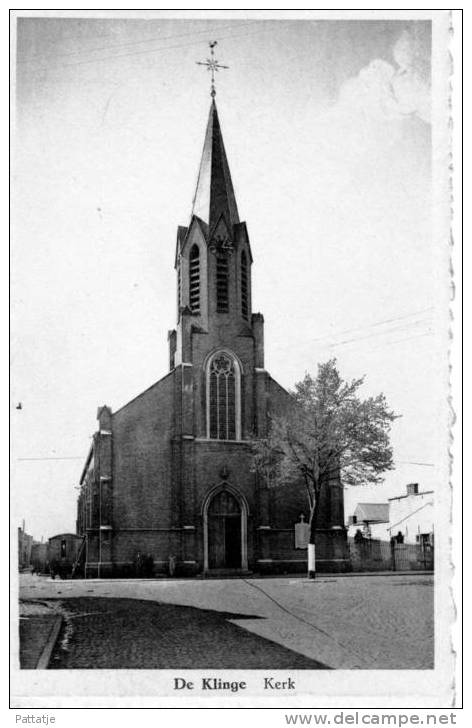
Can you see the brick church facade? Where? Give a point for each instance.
(170, 475)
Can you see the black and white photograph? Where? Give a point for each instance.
(231, 415)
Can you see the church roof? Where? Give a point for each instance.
(214, 195)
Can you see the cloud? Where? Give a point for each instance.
(386, 92)
(410, 85)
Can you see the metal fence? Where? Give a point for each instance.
(376, 555)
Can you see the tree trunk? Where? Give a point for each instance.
(311, 544)
(311, 560)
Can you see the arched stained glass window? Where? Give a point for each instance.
(223, 394)
(194, 279)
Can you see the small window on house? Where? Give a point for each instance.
(244, 286)
(423, 538)
(222, 283)
(194, 280)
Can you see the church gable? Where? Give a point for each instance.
(185, 234)
(279, 399)
(221, 236)
(196, 235)
(192, 275)
(241, 238)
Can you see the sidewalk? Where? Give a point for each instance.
(39, 629)
(250, 577)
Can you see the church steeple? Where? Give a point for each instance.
(213, 261)
(214, 194)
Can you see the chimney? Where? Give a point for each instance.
(412, 489)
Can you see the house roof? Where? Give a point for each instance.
(372, 512)
(411, 495)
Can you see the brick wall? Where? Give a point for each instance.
(142, 470)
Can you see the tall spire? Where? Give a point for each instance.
(214, 195)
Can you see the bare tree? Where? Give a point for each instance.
(327, 432)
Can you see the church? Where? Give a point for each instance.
(169, 478)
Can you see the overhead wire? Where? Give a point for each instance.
(386, 344)
(65, 457)
(151, 50)
(412, 462)
(373, 324)
(376, 334)
(82, 457)
(48, 56)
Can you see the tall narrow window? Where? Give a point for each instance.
(223, 393)
(244, 286)
(194, 280)
(179, 290)
(222, 283)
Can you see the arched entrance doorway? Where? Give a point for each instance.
(225, 530)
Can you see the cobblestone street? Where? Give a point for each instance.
(144, 634)
(367, 622)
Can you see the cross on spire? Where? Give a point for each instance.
(212, 65)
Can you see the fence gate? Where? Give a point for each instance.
(414, 556)
(371, 554)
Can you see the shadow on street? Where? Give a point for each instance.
(114, 633)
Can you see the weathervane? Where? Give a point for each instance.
(212, 65)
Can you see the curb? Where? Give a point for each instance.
(351, 574)
(343, 574)
(45, 656)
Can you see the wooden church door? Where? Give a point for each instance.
(224, 532)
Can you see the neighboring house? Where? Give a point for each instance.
(371, 519)
(25, 542)
(413, 515)
(39, 555)
(170, 474)
(410, 515)
(396, 535)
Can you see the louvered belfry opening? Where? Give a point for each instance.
(222, 409)
(194, 279)
(244, 286)
(179, 289)
(222, 282)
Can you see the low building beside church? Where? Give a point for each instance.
(412, 514)
(25, 543)
(169, 475)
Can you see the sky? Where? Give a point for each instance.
(327, 128)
